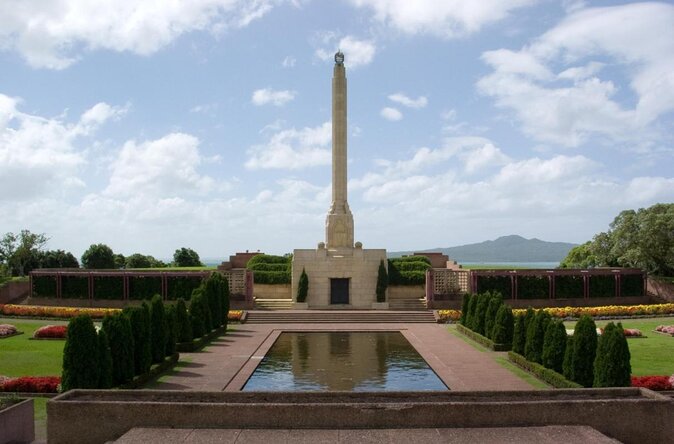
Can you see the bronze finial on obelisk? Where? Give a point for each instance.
(339, 223)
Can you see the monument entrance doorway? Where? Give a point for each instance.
(339, 291)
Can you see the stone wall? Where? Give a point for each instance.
(13, 290)
(265, 291)
(358, 265)
(630, 415)
(406, 292)
(661, 289)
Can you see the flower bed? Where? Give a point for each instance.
(51, 332)
(39, 311)
(658, 383)
(7, 330)
(607, 310)
(234, 315)
(32, 384)
(449, 315)
(666, 329)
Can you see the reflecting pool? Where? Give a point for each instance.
(343, 361)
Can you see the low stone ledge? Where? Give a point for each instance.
(199, 343)
(630, 415)
(482, 340)
(17, 422)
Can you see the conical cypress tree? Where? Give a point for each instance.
(140, 329)
(172, 329)
(529, 317)
(212, 292)
(554, 346)
(470, 315)
(567, 365)
(481, 312)
(495, 302)
(519, 335)
(612, 366)
(104, 361)
(533, 348)
(224, 294)
(197, 313)
(382, 282)
(80, 355)
(184, 332)
(120, 337)
(464, 309)
(303, 287)
(157, 329)
(584, 351)
(502, 333)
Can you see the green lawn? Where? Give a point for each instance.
(653, 355)
(21, 356)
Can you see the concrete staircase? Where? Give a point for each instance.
(407, 304)
(338, 317)
(273, 304)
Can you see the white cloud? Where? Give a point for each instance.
(448, 18)
(293, 149)
(166, 167)
(55, 34)
(267, 95)
(392, 114)
(574, 105)
(40, 156)
(289, 62)
(419, 102)
(356, 52)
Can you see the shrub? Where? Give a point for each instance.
(269, 269)
(120, 338)
(550, 376)
(567, 363)
(80, 357)
(157, 329)
(184, 326)
(409, 270)
(494, 303)
(104, 361)
(567, 287)
(139, 317)
(51, 331)
(533, 348)
(480, 312)
(382, 282)
(500, 284)
(472, 306)
(632, 285)
(602, 286)
(519, 335)
(303, 287)
(584, 351)
(612, 364)
(554, 346)
(502, 333)
(533, 287)
(197, 313)
(212, 288)
(464, 308)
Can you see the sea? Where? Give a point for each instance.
(547, 265)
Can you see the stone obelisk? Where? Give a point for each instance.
(339, 223)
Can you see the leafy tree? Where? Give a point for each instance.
(104, 361)
(120, 261)
(98, 256)
(184, 332)
(612, 366)
(186, 257)
(502, 332)
(138, 260)
(21, 253)
(303, 287)
(554, 346)
(519, 335)
(120, 336)
(80, 355)
(382, 282)
(584, 351)
(641, 239)
(58, 259)
(464, 309)
(158, 329)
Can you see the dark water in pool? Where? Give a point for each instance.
(343, 361)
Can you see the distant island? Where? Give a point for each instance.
(511, 248)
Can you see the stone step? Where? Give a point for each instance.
(340, 316)
(274, 304)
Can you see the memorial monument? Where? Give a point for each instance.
(341, 273)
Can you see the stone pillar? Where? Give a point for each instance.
(339, 223)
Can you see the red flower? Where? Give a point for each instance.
(652, 382)
(51, 331)
(32, 384)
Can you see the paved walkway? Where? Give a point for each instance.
(228, 362)
(496, 435)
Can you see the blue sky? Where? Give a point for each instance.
(206, 124)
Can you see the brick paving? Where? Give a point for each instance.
(229, 360)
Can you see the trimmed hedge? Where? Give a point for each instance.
(549, 376)
(499, 284)
(631, 285)
(533, 287)
(482, 340)
(568, 287)
(410, 270)
(602, 286)
(269, 269)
